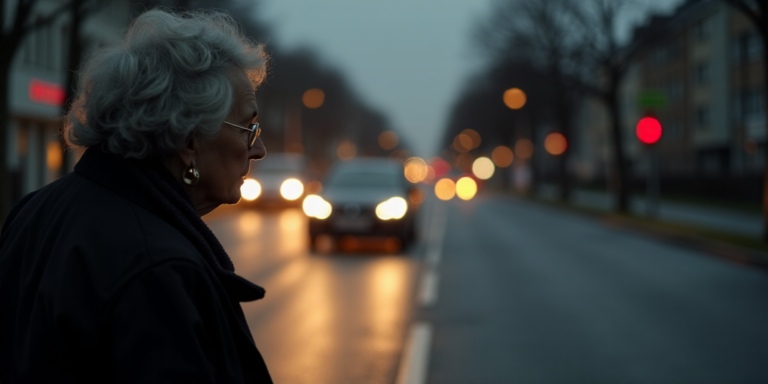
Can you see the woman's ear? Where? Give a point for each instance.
(188, 153)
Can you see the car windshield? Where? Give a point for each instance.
(360, 179)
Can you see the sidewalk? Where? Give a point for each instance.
(721, 219)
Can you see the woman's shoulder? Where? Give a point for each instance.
(78, 218)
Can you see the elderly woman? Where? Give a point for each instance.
(109, 274)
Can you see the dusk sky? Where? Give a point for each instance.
(406, 58)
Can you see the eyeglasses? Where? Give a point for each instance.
(254, 132)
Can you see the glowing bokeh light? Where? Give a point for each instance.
(46, 93)
(648, 130)
(555, 144)
(53, 156)
(314, 187)
(316, 206)
(483, 168)
(524, 149)
(440, 166)
(416, 195)
(502, 156)
(313, 98)
(388, 140)
(474, 136)
(250, 190)
(394, 208)
(464, 161)
(445, 189)
(514, 98)
(430, 175)
(346, 150)
(466, 188)
(291, 189)
(462, 143)
(415, 169)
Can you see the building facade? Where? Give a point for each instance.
(36, 88)
(700, 72)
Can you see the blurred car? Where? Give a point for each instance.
(277, 180)
(368, 197)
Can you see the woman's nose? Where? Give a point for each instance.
(258, 150)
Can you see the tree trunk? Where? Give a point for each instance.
(6, 193)
(565, 129)
(764, 32)
(73, 62)
(620, 167)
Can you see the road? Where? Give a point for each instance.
(499, 291)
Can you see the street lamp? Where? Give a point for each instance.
(514, 98)
(312, 98)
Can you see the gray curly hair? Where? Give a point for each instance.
(169, 78)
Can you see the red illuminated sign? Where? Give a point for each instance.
(648, 130)
(46, 93)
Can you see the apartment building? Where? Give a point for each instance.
(36, 88)
(702, 69)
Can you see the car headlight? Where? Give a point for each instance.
(315, 206)
(250, 190)
(394, 208)
(291, 189)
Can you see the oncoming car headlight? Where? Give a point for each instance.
(250, 190)
(291, 189)
(315, 206)
(394, 208)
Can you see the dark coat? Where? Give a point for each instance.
(97, 286)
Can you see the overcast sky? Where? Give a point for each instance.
(406, 58)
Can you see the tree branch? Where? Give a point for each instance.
(47, 19)
(747, 11)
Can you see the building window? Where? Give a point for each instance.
(753, 103)
(703, 118)
(674, 91)
(702, 28)
(754, 46)
(673, 129)
(701, 73)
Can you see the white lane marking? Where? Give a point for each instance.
(437, 234)
(428, 289)
(413, 363)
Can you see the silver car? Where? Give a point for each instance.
(363, 197)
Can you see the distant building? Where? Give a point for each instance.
(36, 89)
(699, 71)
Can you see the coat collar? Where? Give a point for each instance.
(106, 170)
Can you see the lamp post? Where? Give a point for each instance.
(515, 99)
(648, 131)
(312, 98)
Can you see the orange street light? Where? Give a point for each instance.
(555, 144)
(313, 98)
(514, 98)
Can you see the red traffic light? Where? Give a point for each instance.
(648, 130)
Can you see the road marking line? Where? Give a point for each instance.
(428, 289)
(437, 233)
(413, 363)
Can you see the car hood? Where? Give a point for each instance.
(366, 196)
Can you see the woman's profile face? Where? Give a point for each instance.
(224, 161)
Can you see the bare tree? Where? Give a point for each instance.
(604, 55)
(547, 35)
(757, 12)
(79, 11)
(19, 25)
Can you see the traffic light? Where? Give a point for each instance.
(648, 130)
